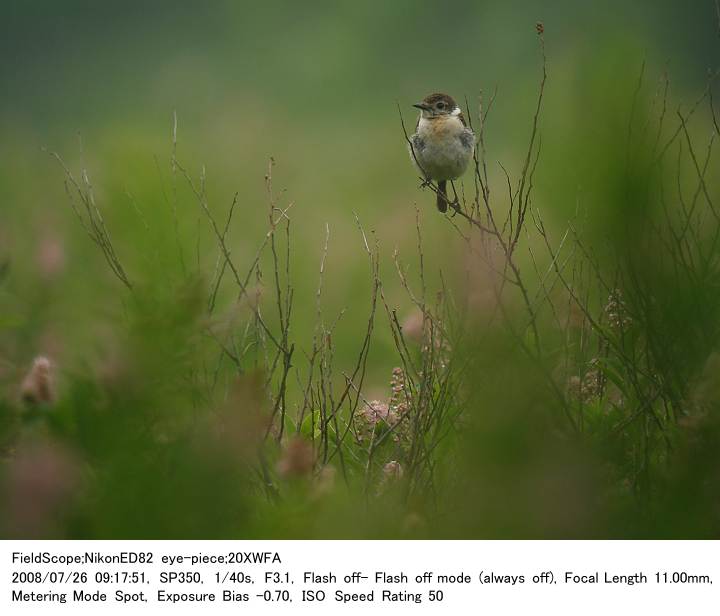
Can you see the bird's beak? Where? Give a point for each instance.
(422, 106)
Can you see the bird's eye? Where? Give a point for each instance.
(440, 105)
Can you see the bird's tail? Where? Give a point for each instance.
(442, 199)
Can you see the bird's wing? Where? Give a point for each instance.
(467, 138)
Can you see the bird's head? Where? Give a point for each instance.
(437, 105)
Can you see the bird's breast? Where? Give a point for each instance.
(444, 127)
(444, 154)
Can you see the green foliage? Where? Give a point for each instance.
(238, 360)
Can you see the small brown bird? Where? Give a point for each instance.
(442, 144)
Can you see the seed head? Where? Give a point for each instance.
(616, 311)
(399, 394)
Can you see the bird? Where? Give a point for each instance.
(443, 143)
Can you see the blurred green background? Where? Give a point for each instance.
(316, 86)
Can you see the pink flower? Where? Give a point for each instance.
(41, 480)
(376, 411)
(38, 386)
(413, 326)
(51, 255)
(393, 471)
(297, 459)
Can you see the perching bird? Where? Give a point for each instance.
(442, 144)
